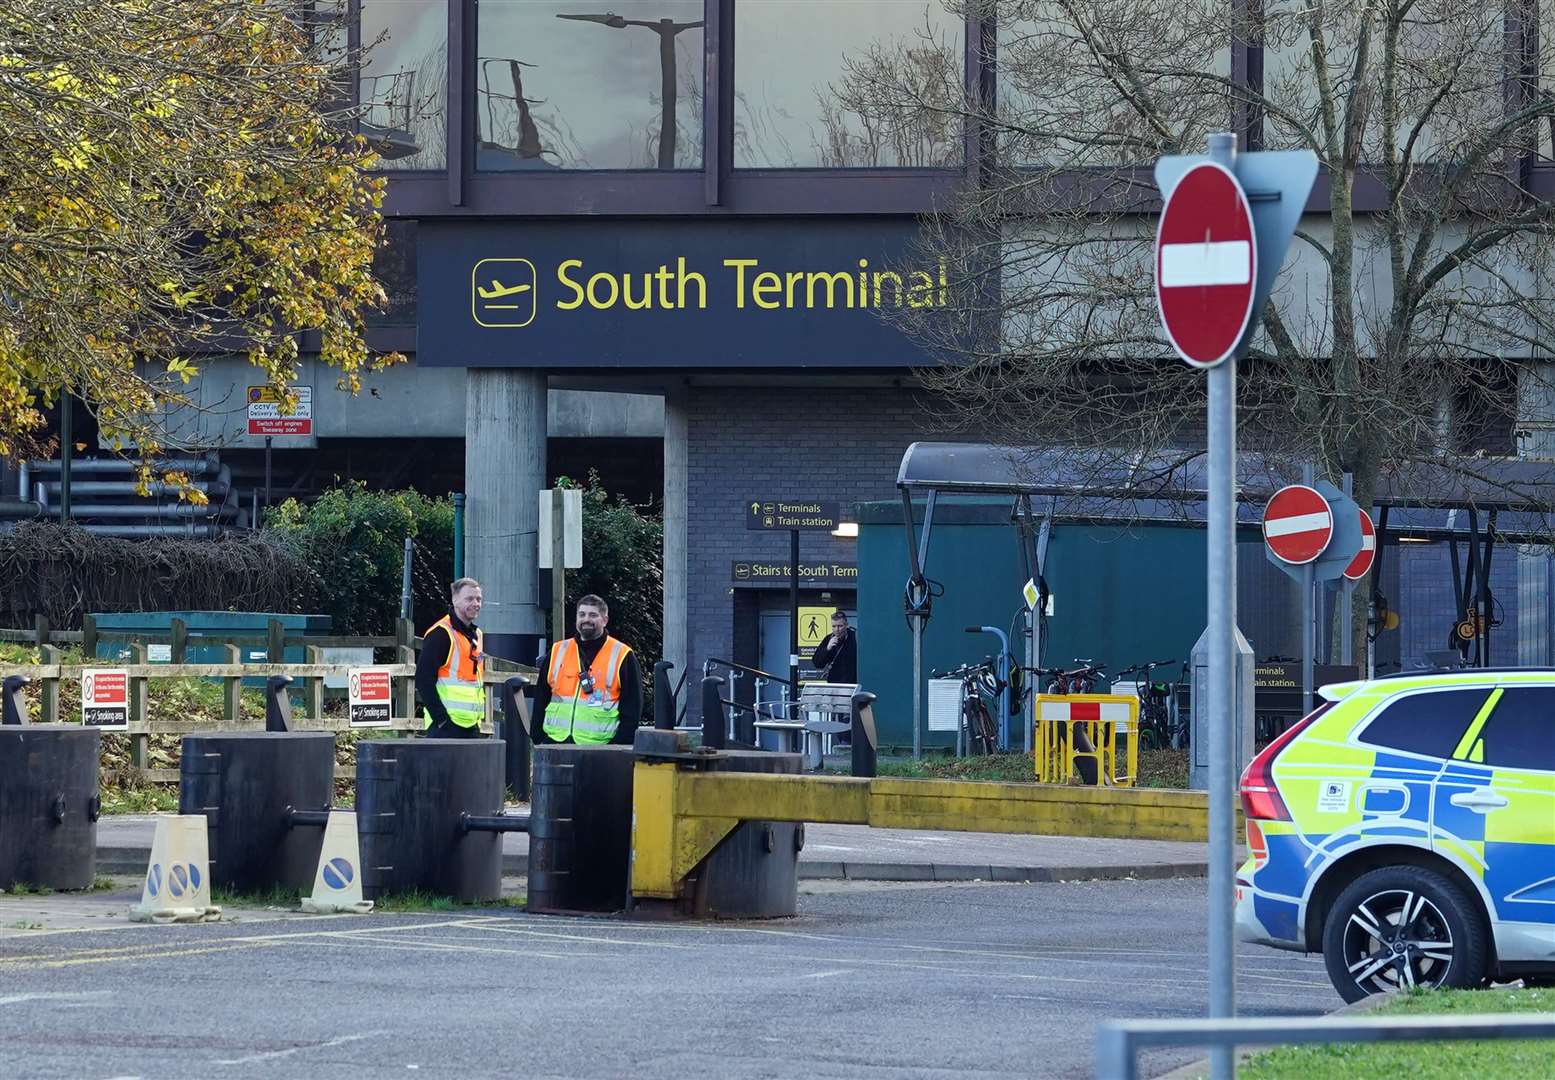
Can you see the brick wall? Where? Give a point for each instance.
(842, 444)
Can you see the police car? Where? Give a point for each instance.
(1405, 829)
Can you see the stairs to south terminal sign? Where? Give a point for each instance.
(790, 515)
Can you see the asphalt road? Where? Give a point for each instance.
(869, 981)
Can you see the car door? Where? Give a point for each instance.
(1497, 795)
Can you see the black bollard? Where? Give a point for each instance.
(713, 732)
(514, 730)
(278, 703)
(580, 829)
(663, 697)
(413, 799)
(254, 788)
(13, 705)
(864, 734)
(49, 805)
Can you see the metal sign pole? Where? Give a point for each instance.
(793, 612)
(1308, 613)
(1222, 620)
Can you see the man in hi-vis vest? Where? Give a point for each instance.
(448, 671)
(591, 691)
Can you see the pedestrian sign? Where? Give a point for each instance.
(814, 625)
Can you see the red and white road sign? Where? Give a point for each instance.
(1298, 524)
(1361, 564)
(1206, 264)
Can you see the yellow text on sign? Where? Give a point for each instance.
(814, 625)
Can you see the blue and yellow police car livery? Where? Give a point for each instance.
(1406, 830)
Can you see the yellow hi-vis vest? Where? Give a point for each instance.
(587, 710)
(459, 679)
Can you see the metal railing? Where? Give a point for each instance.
(1118, 1042)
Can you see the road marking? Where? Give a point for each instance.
(271, 1055)
(17, 999)
(827, 974)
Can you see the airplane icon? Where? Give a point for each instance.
(499, 290)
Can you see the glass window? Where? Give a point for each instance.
(848, 83)
(559, 85)
(394, 264)
(1430, 723)
(1442, 46)
(404, 81)
(1520, 734)
(1059, 103)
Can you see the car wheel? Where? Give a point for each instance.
(1400, 927)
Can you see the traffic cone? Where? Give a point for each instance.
(337, 887)
(178, 881)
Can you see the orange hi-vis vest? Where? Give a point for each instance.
(585, 708)
(459, 679)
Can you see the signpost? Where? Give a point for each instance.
(1241, 229)
(105, 698)
(796, 516)
(369, 693)
(561, 549)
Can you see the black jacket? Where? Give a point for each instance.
(434, 650)
(631, 694)
(843, 659)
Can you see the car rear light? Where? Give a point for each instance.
(1260, 798)
(1257, 846)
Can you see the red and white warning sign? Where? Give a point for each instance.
(1115, 709)
(264, 412)
(1298, 524)
(1206, 264)
(105, 698)
(369, 692)
(1361, 564)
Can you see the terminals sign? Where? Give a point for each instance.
(369, 694)
(105, 698)
(805, 515)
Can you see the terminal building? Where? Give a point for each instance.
(659, 243)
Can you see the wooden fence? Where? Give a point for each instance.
(50, 672)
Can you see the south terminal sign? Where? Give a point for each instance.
(674, 294)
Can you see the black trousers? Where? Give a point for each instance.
(450, 730)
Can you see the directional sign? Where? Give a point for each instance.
(368, 695)
(1297, 524)
(1206, 261)
(1361, 564)
(105, 698)
(805, 515)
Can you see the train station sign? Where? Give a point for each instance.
(784, 515)
(654, 293)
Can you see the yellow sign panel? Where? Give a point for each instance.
(814, 625)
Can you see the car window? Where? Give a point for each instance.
(1520, 733)
(1430, 723)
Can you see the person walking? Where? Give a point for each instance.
(449, 668)
(591, 691)
(837, 655)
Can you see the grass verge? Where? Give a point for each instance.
(1157, 768)
(1421, 1061)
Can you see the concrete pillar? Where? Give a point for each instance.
(677, 480)
(504, 470)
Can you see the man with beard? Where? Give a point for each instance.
(590, 692)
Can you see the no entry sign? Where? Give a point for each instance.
(1206, 264)
(1297, 524)
(1361, 564)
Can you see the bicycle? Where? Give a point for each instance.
(979, 685)
(1157, 729)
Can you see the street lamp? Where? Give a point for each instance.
(666, 29)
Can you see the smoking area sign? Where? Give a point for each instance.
(264, 412)
(368, 692)
(105, 698)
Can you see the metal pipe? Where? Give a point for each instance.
(131, 488)
(307, 818)
(211, 530)
(22, 480)
(27, 509)
(66, 452)
(497, 823)
(196, 466)
(458, 535)
(151, 511)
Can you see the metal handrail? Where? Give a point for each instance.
(748, 670)
(1118, 1042)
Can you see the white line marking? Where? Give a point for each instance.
(17, 999)
(1220, 262)
(825, 974)
(271, 1055)
(1298, 523)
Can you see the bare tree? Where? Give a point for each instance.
(174, 184)
(1409, 316)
